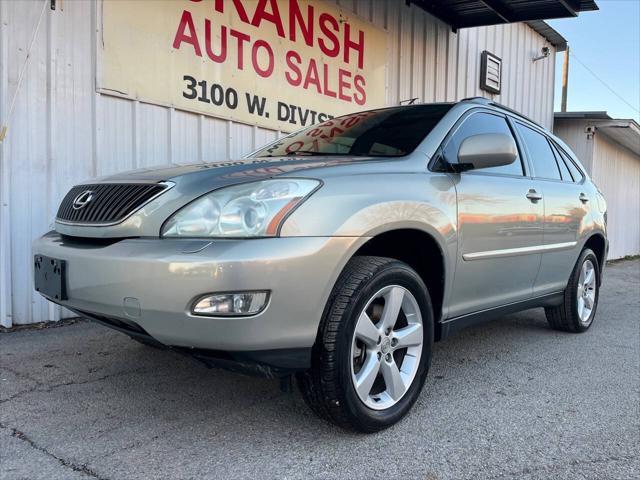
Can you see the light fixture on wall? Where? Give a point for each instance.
(544, 53)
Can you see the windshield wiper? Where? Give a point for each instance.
(349, 154)
(312, 153)
(305, 152)
(330, 154)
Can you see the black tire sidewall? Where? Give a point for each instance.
(395, 273)
(587, 254)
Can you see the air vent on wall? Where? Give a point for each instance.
(490, 72)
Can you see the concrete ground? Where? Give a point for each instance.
(509, 399)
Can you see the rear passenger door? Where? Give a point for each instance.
(499, 225)
(564, 208)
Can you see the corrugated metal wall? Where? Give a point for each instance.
(62, 131)
(573, 132)
(616, 172)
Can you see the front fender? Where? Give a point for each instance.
(368, 205)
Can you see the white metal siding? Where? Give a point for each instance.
(616, 171)
(62, 131)
(572, 131)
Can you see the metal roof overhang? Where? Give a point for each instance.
(622, 131)
(625, 132)
(476, 13)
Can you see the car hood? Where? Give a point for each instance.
(186, 183)
(233, 171)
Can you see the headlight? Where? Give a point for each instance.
(254, 209)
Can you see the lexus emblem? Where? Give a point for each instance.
(81, 200)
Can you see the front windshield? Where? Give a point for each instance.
(389, 132)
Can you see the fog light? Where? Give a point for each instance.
(231, 304)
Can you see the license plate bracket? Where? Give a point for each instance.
(50, 277)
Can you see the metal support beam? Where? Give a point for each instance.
(438, 9)
(565, 80)
(474, 13)
(570, 6)
(500, 9)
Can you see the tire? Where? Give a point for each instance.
(340, 357)
(570, 316)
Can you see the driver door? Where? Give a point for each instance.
(500, 220)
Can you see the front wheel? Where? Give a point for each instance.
(577, 311)
(373, 349)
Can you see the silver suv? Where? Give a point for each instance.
(339, 253)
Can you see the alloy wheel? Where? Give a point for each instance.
(386, 347)
(586, 297)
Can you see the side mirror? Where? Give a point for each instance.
(486, 150)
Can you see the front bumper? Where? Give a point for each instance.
(152, 283)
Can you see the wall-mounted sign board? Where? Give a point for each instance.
(280, 64)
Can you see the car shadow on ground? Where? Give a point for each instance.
(507, 399)
(182, 391)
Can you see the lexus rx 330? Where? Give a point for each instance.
(339, 253)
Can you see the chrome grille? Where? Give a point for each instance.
(109, 203)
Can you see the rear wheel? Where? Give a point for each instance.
(578, 310)
(373, 349)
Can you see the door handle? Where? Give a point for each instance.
(533, 195)
(583, 198)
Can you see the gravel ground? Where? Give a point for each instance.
(508, 399)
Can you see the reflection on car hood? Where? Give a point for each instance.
(235, 171)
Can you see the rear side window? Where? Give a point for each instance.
(575, 172)
(542, 157)
(476, 124)
(564, 170)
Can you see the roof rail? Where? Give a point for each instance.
(487, 101)
(515, 112)
(482, 100)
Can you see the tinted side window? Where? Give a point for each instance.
(564, 170)
(542, 157)
(476, 124)
(575, 172)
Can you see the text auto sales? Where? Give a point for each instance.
(333, 37)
